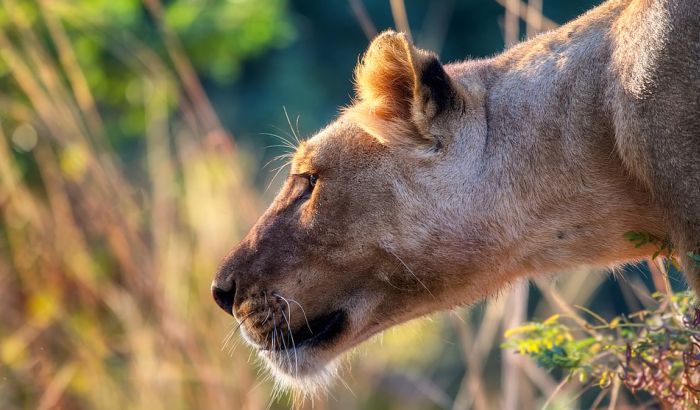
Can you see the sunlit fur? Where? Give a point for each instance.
(391, 102)
(442, 185)
(311, 383)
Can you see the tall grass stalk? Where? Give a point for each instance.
(104, 276)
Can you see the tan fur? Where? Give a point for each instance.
(390, 92)
(443, 184)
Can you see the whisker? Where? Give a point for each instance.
(273, 396)
(284, 343)
(269, 311)
(286, 133)
(266, 339)
(250, 355)
(275, 176)
(296, 137)
(411, 272)
(345, 383)
(387, 279)
(274, 332)
(234, 346)
(228, 336)
(291, 336)
(287, 156)
(284, 164)
(287, 143)
(233, 331)
(276, 146)
(290, 309)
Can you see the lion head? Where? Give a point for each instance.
(388, 214)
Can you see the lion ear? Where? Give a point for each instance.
(401, 90)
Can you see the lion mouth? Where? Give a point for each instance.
(317, 332)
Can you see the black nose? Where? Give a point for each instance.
(224, 298)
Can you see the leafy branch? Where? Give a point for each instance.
(664, 246)
(656, 351)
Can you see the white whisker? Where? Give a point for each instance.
(275, 176)
(298, 133)
(284, 344)
(286, 142)
(233, 331)
(290, 309)
(294, 347)
(296, 136)
(411, 272)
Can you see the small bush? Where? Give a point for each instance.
(655, 351)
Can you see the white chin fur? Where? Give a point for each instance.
(299, 370)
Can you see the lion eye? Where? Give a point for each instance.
(312, 180)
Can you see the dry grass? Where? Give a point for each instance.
(105, 279)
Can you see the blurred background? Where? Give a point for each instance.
(133, 139)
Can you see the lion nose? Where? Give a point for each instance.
(224, 297)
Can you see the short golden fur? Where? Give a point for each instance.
(441, 185)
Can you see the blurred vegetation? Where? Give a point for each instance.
(117, 51)
(108, 250)
(122, 186)
(654, 351)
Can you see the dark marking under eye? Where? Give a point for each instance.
(307, 190)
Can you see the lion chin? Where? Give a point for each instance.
(300, 371)
(305, 369)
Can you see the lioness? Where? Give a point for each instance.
(442, 184)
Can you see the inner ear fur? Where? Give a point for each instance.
(401, 90)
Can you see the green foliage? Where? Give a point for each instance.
(656, 351)
(551, 344)
(116, 42)
(218, 36)
(695, 257)
(640, 239)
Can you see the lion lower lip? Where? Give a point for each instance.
(318, 331)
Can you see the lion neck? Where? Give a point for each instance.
(551, 178)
